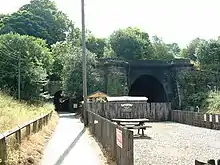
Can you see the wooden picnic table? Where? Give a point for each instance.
(132, 123)
(139, 121)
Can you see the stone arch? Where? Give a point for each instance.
(150, 87)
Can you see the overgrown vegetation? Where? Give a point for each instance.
(49, 46)
(13, 113)
(31, 149)
(201, 87)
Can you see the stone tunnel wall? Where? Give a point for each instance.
(180, 66)
(117, 79)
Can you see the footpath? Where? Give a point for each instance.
(71, 144)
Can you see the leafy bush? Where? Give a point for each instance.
(198, 87)
(212, 102)
(68, 63)
(35, 59)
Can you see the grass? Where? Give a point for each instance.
(31, 149)
(13, 113)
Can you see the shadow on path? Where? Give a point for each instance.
(66, 152)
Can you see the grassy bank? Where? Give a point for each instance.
(13, 113)
(32, 148)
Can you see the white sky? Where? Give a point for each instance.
(174, 20)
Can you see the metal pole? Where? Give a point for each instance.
(84, 66)
(19, 78)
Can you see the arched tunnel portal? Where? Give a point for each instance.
(149, 87)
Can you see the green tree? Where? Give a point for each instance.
(209, 55)
(108, 51)
(131, 43)
(39, 18)
(36, 63)
(74, 36)
(174, 49)
(73, 74)
(191, 50)
(67, 67)
(96, 45)
(60, 52)
(162, 51)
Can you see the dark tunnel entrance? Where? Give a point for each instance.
(149, 87)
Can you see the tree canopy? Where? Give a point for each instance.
(96, 45)
(49, 46)
(35, 64)
(68, 67)
(39, 18)
(162, 51)
(131, 43)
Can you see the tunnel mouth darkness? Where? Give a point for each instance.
(149, 87)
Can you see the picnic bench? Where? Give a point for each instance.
(133, 124)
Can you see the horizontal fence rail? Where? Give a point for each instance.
(152, 111)
(209, 162)
(36, 124)
(115, 140)
(211, 121)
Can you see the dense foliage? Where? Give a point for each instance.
(39, 18)
(35, 60)
(49, 46)
(131, 43)
(96, 45)
(68, 67)
(200, 88)
(163, 51)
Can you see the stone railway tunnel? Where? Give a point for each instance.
(155, 79)
(149, 87)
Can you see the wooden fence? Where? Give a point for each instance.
(153, 111)
(36, 124)
(107, 132)
(211, 121)
(209, 162)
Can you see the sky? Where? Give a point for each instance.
(177, 21)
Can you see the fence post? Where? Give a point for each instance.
(35, 126)
(18, 135)
(211, 162)
(3, 150)
(43, 121)
(39, 124)
(51, 113)
(47, 119)
(28, 129)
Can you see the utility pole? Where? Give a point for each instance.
(84, 68)
(19, 78)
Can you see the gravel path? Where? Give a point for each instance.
(176, 144)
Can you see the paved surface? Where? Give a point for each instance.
(70, 144)
(176, 144)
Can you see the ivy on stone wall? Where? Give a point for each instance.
(196, 87)
(117, 81)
